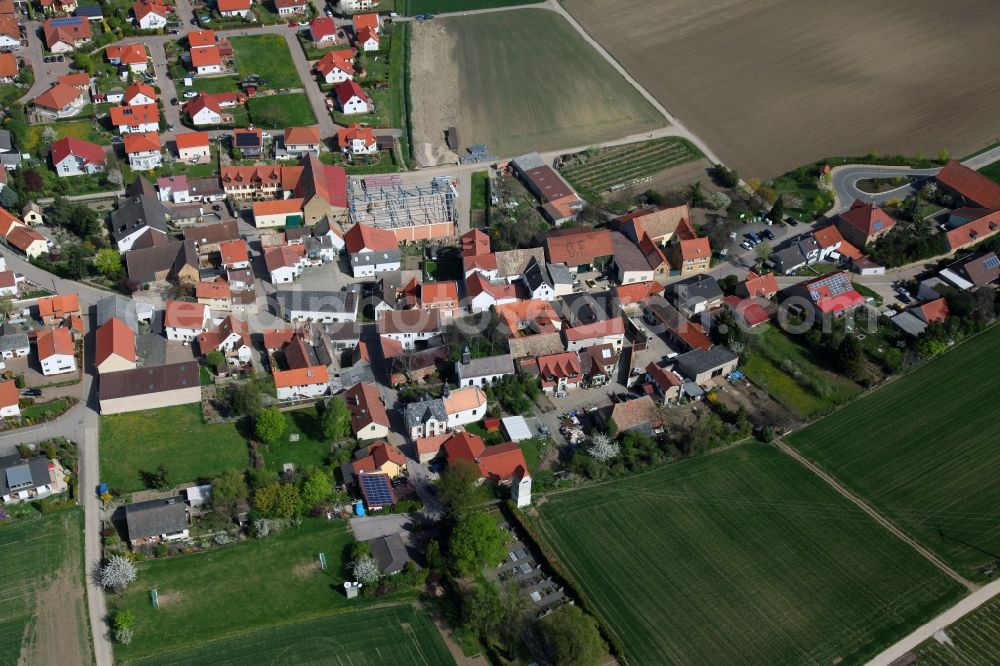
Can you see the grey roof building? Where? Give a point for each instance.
(588, 307)
(373, 258)
(536, 274)
(390, 553)
(154, 518)
(328, 302)
(13, 342)
(788, 259)
(415, 413)
(559, 274)
(5, 145)
(700, 364)
(483, 369)
(511, 263)
(697, 293)
(117, 307)
(18, 474)
(136, 213)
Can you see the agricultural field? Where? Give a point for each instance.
(176, 436)
(413, 7)
(206, 597)
(922, 449)
(266, 56)
(592, 172)
(280, 111)
(784, 369)
(399, 634)
(975, 639)
(43, 610)
(740, 557)
(516, 81)
(767, 104)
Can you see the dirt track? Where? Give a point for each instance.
(773, 84)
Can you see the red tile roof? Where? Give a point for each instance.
(10, 395)
(366, 406)
(694, 249)
(972, 185)
(464, 446)
(277, 207)
(79, 79)
(575, 247)
(58, 96)
(283, 256)
(184, 314)
(361, 21)
(475, 243)
(91, 153)
(316, 374)
(362, 237)
(867, 218)
(55, 341)
(433, 293)
(345, 90)
(128, 54)
(366, 34)
(114, 337)
(216, 289)
(598, 329)
(23, 237)
(8, 65)
(201, 38)
(234, 251)
(347, 135)
(206, 56)
(662, 377)
(142, 8)
(58, 306)
(765, 285)
(627, 294)
(321, 27)
(139, 88)
(746, 309)
(191, 140)
(276, 338)
(232, 5)
(828, 236)
(300, 136)
(476, 284)
(141, 142)
(974, 231)
(565, 364)
(135, 115)
(935, 311)
(342, 59)
(502, 462)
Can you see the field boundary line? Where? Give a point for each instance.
(947, 618)
(878, 517)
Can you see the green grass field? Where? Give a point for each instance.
(311, 449)
(992, 171)
(431, 6)
(975, 639)
(772, 359)
(251, 586)
(591, 173)
(215, 84)
(480, 190)
(923, 450)
(268, 57)
(175, 436)
(740, 557)
(281, 111)
(528, 81)
(42, 607)
(397, 634)
(87, 130)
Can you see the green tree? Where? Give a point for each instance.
(851, 356)
(726, 176)
(696, 194)
(9, 199)
(763, 251)
(216, 359)
(483, 610)
(123, 619)
(228, 490)
(160, 479)
(265, 499)
(336, 419)
(943, 156)
(777, 213)
(108, 262)
(571, 637)
(928, 348)
(269, 425)
(459, 489)
(6, 306)
(316, 487)
(244, 398)
(288, 501)
(475, 541)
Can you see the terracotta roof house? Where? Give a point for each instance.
(56, 351)
(79, 80)
(135, 57)
(831, 294)
(379, 458)
(233, 7)
(578, 248)
(969, 187)
(231, 336)
(234, 254)
(367, 40)
(969, 226)
(666, 382)
(630, 295)
(302, 383)
(138, 118)
(337, 66)
(691, 255)
(863, 223)
(114, 347)
(352, 98)
(8, 67)
(143, 150)
(747, 311)
(299, 141)
(53, 309)
(74, 157)
(440, 296)
(289, 7)
(31, 243)
(475, 242)
(149, 14)
(642, 414)
(65, 34)
(369, 419)
(364, 238)
(206, 60)
(361, 21)
(192, 146)
(324, 31)
(660, 224)
(61, 100)
(201, 39)
(754, 285)
(357, 140)
(560, 371)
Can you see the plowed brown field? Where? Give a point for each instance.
(772, 84)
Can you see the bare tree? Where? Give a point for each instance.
(124, 635)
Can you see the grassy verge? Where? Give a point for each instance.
(176, 436)
(480, 190)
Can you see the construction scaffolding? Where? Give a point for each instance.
(387, 202)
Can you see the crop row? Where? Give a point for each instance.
(634, 170)
(603, 162)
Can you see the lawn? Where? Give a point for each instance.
(176, 436)
(281, 111)
(380, 117)
(594, 172)
(88, 130)
(40, 410)
(209, 596)
(266, 56)
(431, 6)
(519, 81)
(398, 634)
(480, 190)
(399, 74)
(43, 615)
(992, 171)
(740, 557)
(975, 639)
(215, 84)
(784, 369)
(177, 168)
(311, 449)
(923, 449)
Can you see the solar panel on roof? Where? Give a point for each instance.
(991, 262)
(68, 20)
(377, 489)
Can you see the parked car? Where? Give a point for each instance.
(190, 93)
(170, 127)
(60, 58)
(419, 17)
(31, 393)
(768, 234)
(173, 101)
(792, 222)
(746, 245)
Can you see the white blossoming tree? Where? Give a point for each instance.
(602, 448)
(365, 569)
(118, 573)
